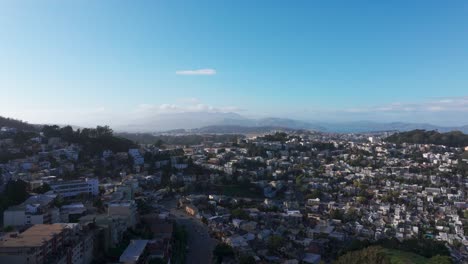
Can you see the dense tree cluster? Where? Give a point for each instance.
(451, 139)
(15, 193)
(93, 140)
(222, 251)
(423, 247)
(380, 255)
(369, 255)
(240, 214)
(179, 244)
(274, 243)
(193, 139)
(254, 150)
(18, 124)
(278, 136)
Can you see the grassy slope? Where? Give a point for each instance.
(402, 257)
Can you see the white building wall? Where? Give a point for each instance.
(74, 188)
(14, 218)
(35, 219)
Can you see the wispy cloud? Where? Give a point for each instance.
(188, 105)
(197, 72)
(446, 104)
(189, 100)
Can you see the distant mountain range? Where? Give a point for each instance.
(271, 122)
(206, 122)
(233, 123)
(195, 120)
(368, 126)
(233, 129)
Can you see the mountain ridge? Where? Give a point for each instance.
(206, 122)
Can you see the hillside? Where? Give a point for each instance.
(18, 124)
(188, 139)
(93, 140)
(452, 139)
(379, 255)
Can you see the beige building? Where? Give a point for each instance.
(125, 208)
(43, 243)
(113, 227)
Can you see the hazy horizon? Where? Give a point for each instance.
(119, 63)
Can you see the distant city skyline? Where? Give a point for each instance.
(114, 62)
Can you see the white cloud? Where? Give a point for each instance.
(197, 72)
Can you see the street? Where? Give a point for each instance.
(200, 244)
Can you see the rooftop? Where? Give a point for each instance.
(134, 250)
(35, 236)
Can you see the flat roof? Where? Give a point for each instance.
(73, 205)
(34, 236)
(133, 251)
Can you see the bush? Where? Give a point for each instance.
(221, 251)
(370, 255)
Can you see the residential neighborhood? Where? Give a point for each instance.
(296, 197)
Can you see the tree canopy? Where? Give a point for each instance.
(451, 139)
(193, 139)
(18, 124)
(221, 251)
(14, 194)
(93, 140)
(380, 255)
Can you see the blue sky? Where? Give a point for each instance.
(88, 62)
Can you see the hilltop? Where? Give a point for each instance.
(452, 139)
(18, 124)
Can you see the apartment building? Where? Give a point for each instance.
(37, 209)
(76, 187)
(43, 243)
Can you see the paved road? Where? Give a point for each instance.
(200, 244)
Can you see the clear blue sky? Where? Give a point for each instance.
(311, 60)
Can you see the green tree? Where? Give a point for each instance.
(16, 191)
(247, 260)
(67, 133)
(369, 255)
(157, 261)
(274, 243)
(51, 131)
(42, 189)
(440, 260)
(179, 244)
(239, 213)
(336, 214)
(8, 229)
(361, 199)
(221, 251)
(351, 215)
(316, 193)
(14, 194)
